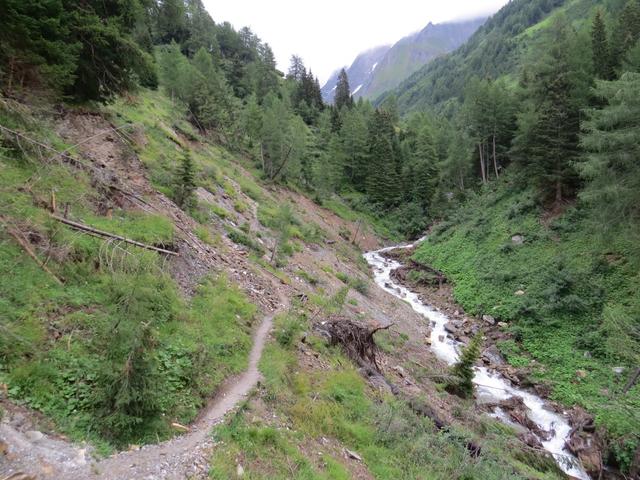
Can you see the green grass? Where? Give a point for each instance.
(337, 404)
(578, 291)
(117, 353)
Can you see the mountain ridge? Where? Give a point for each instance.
(383, 68)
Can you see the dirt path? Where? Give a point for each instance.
(181, 457)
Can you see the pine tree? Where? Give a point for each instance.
(600, 49)
(343, 97)
(185, 182)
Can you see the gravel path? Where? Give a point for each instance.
(186, 456)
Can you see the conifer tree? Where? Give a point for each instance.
(296, 68)
(383, 178)
(547, 143)
(463, 370)
(354, 136)
(185, 182)
(612, 140)
(627, 32)
(600, 49)
(343, 92)
(425, 167)
(171, 25)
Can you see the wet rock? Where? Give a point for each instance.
(588, 448)
(517, 411)
(530, 439)
(492, 356)
(489, 320)
(449, 327)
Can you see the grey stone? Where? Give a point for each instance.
(517, 239)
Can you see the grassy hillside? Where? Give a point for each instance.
(570, 299)
(117, 347)
(313, 398)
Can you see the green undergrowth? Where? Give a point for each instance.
(306, 405)
(571, 299)
(116, 353)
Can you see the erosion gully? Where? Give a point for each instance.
(491, 387)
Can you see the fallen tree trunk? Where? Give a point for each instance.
(24, 244)
(95, 231)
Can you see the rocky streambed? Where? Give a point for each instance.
(542, 425)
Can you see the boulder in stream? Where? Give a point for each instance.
(491, 355)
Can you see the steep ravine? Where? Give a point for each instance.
(490, 385)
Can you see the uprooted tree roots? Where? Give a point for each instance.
(356, 340)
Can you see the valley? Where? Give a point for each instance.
(213, 268)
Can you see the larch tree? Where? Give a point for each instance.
(612, 140)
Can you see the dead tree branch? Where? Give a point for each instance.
(24, 244)
(87, 228)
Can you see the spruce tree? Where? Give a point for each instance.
(627, 31)
(600, 49)
(343, 97)
(383, 178)
(463, 370)
(171, 24)
(425, 167)
(185, 182)
(546, 146)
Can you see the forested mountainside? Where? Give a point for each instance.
(167, 193)
(384, 68)
(543, 226)
(358, 73)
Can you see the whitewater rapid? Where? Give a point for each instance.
(490, 385)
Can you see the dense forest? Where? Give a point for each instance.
(543, 102)
(557, 124)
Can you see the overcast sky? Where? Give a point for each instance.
(330, 33)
